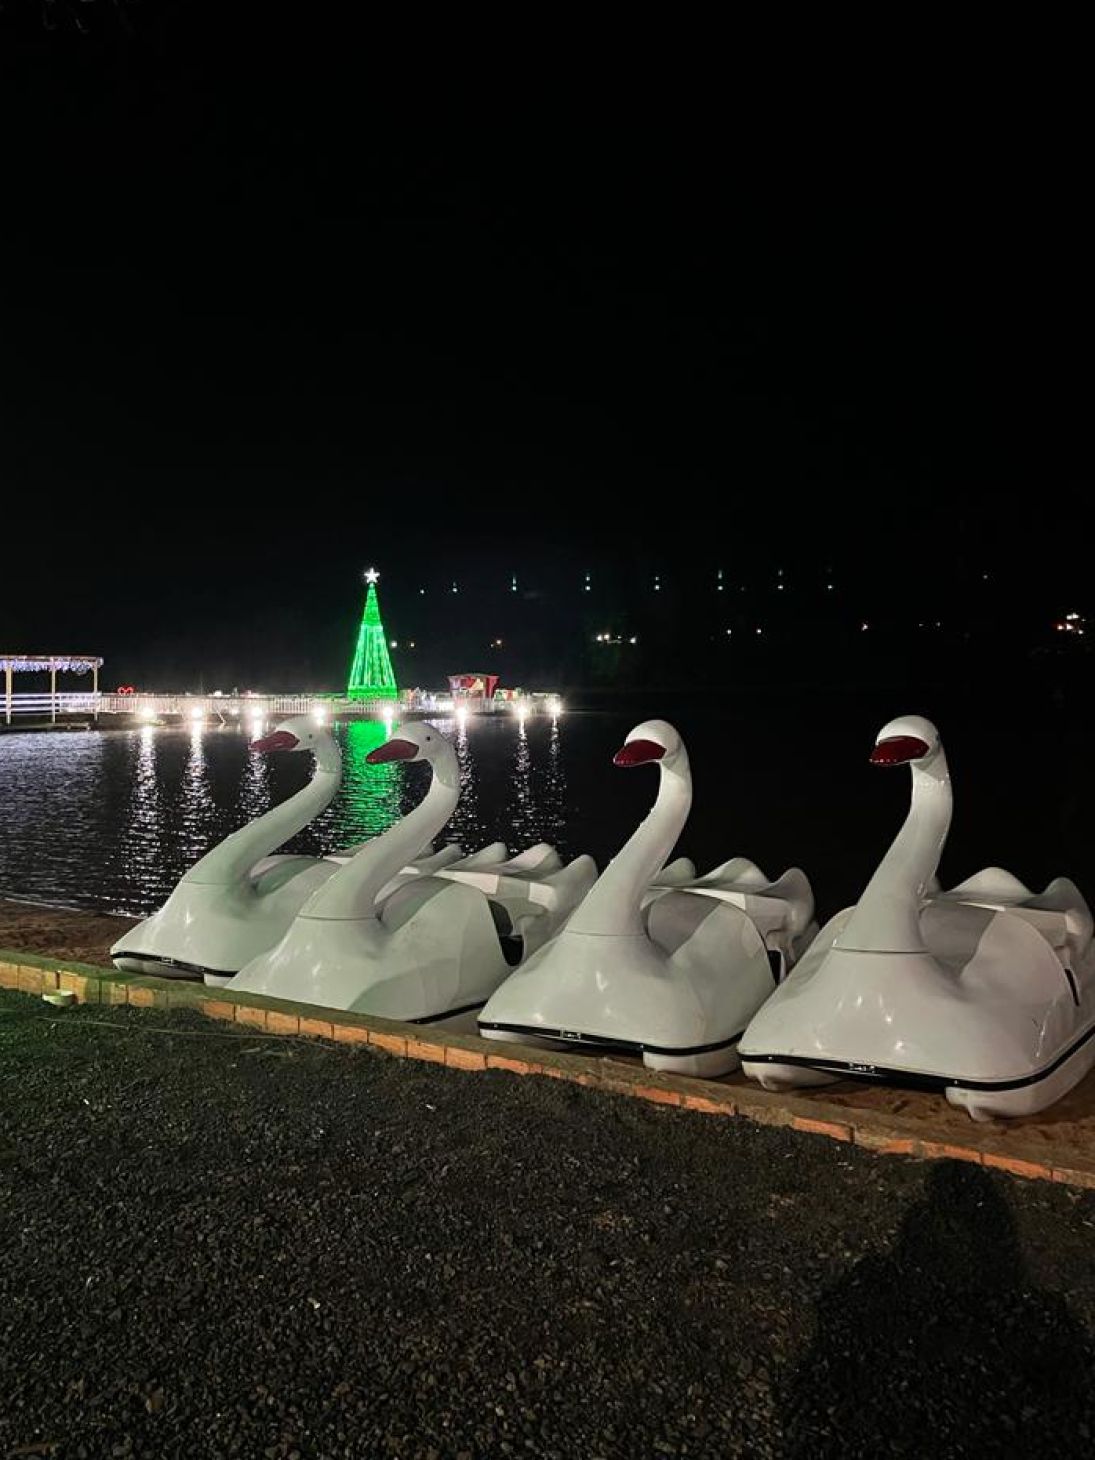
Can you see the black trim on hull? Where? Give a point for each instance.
(446, 1014)
(599, 1041)
(173, 966)
(885, 1075)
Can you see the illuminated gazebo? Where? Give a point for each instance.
(51, 664)
(473, 686)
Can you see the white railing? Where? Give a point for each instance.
(240, 707)
(47, 704)
(249, 707)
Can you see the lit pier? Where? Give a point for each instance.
(216, 709)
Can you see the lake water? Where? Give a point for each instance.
(110, 820)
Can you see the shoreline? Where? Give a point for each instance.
(895, 1118)
(67, 933)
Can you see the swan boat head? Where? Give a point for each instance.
(295, 732)
(420, 742)
(653, 740)
(908, 740)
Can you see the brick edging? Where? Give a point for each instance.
(888, 1135)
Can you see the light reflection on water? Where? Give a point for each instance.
(369, 798)
(522, 802)
(111, 820)
(465, 820)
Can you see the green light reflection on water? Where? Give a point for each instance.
(370, 798)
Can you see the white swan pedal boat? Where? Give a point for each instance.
(656, 961)
(985, 992)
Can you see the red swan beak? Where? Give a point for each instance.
(898, 750)
(392, 750)
(276, 740)
(638, 752)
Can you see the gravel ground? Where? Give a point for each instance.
(218, 1244)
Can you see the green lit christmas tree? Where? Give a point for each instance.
(371, 675)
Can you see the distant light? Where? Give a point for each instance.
(411, 645)
(455, 589)
(864, 627)
(780, 587)
(197, 715)
(513, 584)
(394, 643)
(634, 639)
(319, 714)
(760, 631)
(218, 694)
(729, 631)
(421, 590)
(829, 586)
(146, 712)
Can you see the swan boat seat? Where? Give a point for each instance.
(534, 890)
(781, 910)
(1060, 913)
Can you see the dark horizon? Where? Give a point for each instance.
(267, 326)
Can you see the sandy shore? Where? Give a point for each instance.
(81, 937)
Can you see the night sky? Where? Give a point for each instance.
(277, 306)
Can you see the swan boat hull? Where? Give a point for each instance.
(625, 994)
(210, 931)
(990, 1015)
(395, 965)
